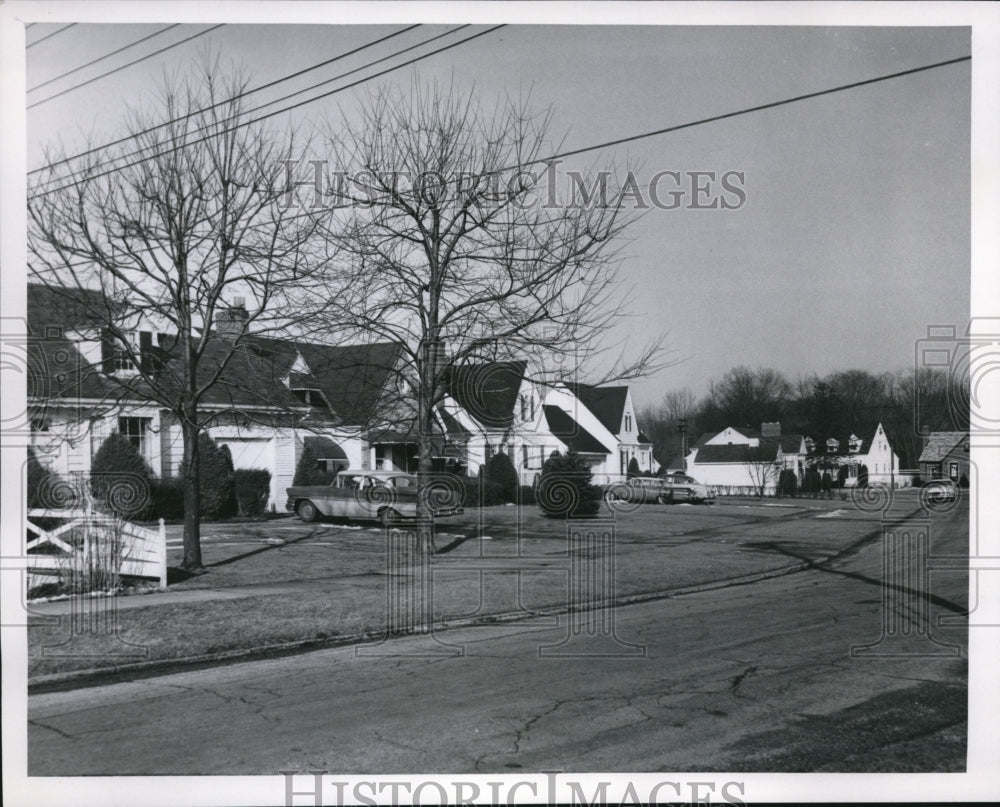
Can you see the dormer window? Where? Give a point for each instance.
(832, 444)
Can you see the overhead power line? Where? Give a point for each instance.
(171, 121)
(264, 117)
(124, 66)
(101, 58)
(48, 36)
(279, 100)
(738, 112)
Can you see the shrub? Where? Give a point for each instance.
(481, 492)
(812, 482)
(120, 478)
(565, 491)
(863, 476)
(167, 499)
(43, 487)
(526, 495)
(633, 469)
(787, 483)
(841, 476)
(501, 470)
(253, 489)
(308, 470)
(218, 491)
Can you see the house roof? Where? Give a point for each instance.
(941, 444)
(790, 443)
(487, 391)
(352, 378)
(606, 403)
(571, 433)
(739, 453)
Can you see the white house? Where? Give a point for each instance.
(273, 397)
(872, 451)
(743, 461)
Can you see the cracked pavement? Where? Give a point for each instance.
(755, 677)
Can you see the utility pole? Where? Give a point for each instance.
(682, 426)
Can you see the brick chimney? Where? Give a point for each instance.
(232, 321)
(770, 429)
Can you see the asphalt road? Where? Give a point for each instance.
(758, 677)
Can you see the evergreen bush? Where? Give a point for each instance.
(120, 478)
(565, 489)
(501, 470)
(633, 469)
(308, 470)
(253, 488)
(216, 480)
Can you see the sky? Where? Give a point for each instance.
(854, 235)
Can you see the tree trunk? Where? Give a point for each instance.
(425, 467)
(190, 473)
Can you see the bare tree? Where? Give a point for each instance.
(447, 244)
(186, 211)
(761, 468)
(748, 397)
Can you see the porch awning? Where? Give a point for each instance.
(325, 448)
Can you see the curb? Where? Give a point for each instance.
(80, 679)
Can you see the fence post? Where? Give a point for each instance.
(162, 555)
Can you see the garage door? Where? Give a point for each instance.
(251, 452)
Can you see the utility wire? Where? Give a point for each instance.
(744, 111)
(139, 134)
(124, 66)
(251, 111)
(101, 58)
(666, 130)
(381, 73)
(48, 36)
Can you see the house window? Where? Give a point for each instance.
(628, 423)
(541, 456)
(39, 425)
(524, 456)
(953, 470)
(134, 430)
(531, 406)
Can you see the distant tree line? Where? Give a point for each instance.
(906, 402)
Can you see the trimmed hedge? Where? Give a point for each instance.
(168, 499)
(216, 480)
(481, 492)
(253, 488)
(120, 479)
(633, 471)
(501, 471)
(565, 489)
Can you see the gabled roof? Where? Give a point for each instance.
(488, 391)
(258, 372)
(606, 403)
(737, 453)
(941, 444)
(790, 443)
(571, 433)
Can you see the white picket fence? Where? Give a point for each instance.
(143, 551)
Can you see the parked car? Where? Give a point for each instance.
(665, 490)
(939, 490)
(385, 496)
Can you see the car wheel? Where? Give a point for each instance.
(387, 516)
(661, 499)
(307, 511)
